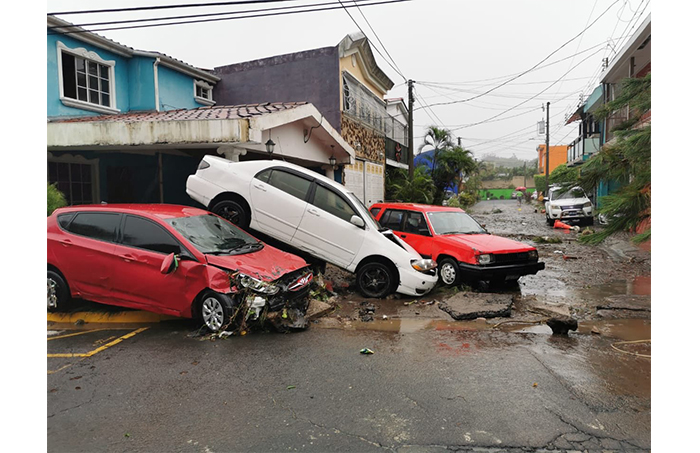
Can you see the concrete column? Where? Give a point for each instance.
(231, 152)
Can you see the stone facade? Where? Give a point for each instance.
(369, 144)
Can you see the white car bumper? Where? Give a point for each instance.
(414, 283)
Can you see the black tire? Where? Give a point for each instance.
(448, 272)
(57, 293)
(550, 222)
(215, 311)
(233, 211)
(376, 280)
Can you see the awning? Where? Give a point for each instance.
(297, 128)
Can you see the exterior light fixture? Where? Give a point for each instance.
(332, 159)
(270, 146)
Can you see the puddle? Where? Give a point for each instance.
(407, 325)
(638, 286)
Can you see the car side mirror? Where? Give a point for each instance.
(358, 222)
(545, 198)
(169, 264)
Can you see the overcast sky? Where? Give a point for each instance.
(453, 49)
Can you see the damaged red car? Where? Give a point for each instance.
(463, 249)
(174, 260)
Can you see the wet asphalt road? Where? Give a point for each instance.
(432, 388)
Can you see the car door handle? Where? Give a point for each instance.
(260, 187)
(313, 212)
(66, 242)
(128, 258)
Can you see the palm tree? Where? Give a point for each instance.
(437, 139)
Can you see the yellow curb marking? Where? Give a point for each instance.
(101, 348)
(58, 337)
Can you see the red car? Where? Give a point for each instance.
(463, 249)
(170, 259)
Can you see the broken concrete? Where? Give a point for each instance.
(467, 306)
(318, 309)
(625, 306)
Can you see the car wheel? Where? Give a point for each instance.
(376, 280)
(57, 294)
(448, 271)
(550, 222)
(215, 311)
(232, 211)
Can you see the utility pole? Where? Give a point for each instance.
(546, 174)
(410, 128)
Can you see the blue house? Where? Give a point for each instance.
(126, 125)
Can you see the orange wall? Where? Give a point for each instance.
(557, 156)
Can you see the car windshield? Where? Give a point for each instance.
(362, 206)
(454, 222)
(213, 235)
(574, 192)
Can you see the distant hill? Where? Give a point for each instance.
(508, 162)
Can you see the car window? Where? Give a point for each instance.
(96, 225)
(375, 211)
(454, 222)
(64, 220)
(332, 203)
(144, 234)
(415, 224)
(264, 175)
(292, 184)
(392, 219)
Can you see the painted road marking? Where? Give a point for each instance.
(94, 351)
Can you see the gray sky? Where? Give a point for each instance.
(454, 49)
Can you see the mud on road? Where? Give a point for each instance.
(588, 282)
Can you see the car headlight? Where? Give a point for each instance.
(587, 204)
(258, 285)
(555, 206)
(423, 265)
(485, 259)
(532, 255)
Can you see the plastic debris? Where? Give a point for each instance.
(366, 351)
(255, 305)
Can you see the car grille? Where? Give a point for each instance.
(510, 258)
(573, 206)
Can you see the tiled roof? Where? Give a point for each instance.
(216, 112)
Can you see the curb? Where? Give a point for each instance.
(101, 317)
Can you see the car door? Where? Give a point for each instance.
(397, 220)
(326, 231)
(278, 198)
(416, 233)
(137, 281)
(84, 253)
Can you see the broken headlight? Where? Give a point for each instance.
(258, 285)
(532, 255)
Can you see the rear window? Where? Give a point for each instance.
(292, 184)
(64, 220)
(95, 225)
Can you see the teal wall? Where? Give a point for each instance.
(142, 90)
(176, 90)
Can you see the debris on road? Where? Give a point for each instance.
(366, 351)
(468, 306)
(565, 226)
(562, 325)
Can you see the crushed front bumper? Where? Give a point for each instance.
(414, 283)
(498, 272)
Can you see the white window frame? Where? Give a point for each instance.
(200, 99)
(82, 52)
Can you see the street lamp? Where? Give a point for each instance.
(270, 146)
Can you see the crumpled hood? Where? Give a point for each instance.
(487, 243)
(267, 264)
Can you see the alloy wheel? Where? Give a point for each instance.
(212, 314)
(374, 281)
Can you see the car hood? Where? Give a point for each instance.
(267, 264)
(487, 243)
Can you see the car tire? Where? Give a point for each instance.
(215, 311)
(57, 293)
(376, 280)
(448, 271)
(233, 211)
(550, 222)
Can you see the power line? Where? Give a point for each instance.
(535, 66)
(330, 8)
(191, 16)
(157, 7)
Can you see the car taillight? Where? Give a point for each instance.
(203, 164)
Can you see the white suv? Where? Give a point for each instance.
(572, 204)
(315, 215)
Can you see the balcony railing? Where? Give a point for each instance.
(582, 148)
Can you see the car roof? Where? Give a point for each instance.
(417, 207)
(163, 211)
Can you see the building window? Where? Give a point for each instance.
(86, 81)
(73, 180)
(203, 93)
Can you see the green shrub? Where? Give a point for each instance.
(55, 199)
